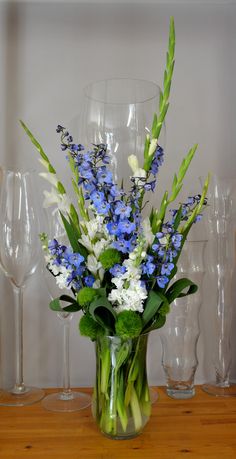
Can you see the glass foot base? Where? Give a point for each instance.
(219, 390)
(62, 402)
(180, 394)
(28, 397)
(153, 395)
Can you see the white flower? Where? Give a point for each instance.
(140, 173)
(51, 178)
(93, 264)
(153, 146)
(99, 246)
(50, 198)
(147, 232)
(97, 284)
(133, 163)
(86, 242)
(44, 163)
(129, 299)
(61, 279)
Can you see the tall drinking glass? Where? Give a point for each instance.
(222, 263)
(19, 257)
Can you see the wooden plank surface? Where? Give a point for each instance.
(202, 427)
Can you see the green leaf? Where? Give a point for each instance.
(102, 311)
(38, 146)
(177, 288)
(71, 233)
(55, 305)
(158, 322)
(73, 306)
(153, 303)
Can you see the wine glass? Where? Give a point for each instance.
(67, 400)
(19, 257)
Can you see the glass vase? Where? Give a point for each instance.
(180, 334)
(222, 225)
(121, 400)
(119, 113)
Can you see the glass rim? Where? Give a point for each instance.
(124, 339)
(18, 170)
(139, 80)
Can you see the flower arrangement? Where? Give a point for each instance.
(117, 265)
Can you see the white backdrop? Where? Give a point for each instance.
(48, 53)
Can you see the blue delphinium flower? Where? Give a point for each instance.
(117, 270)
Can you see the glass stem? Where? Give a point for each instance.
(19, 387)
(66, 394)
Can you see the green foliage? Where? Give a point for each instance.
(154, 302)
(102, 311)
(86, 295)
(178, 289)
(73, 306)
(164, 99)
(89, 327)
(128, 324)
(109, 258)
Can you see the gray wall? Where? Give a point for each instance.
(48, 53)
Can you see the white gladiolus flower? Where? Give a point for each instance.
(51, 178)
(93, 264)
(147, 232)
(140, 173)
(133, 163)
(44, 163)
(50, 198)
(99, 247)
(97, 284)
(86, 242)
(153, 146)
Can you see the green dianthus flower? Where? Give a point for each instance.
(128, 324)
(109, 258)
(86, 295)
(88, 327)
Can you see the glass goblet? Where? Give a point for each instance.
(19, 257)
(67, 400)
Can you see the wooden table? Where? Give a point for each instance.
(202, 427)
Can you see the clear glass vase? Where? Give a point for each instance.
(222, 262)
(119, 113)
(121, 400)
(180, 334)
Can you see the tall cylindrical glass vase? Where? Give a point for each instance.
(222, 263)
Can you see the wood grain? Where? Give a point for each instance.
(203, 428)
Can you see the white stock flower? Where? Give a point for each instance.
(61, 279)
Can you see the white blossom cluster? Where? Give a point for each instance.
(96, 240)
(130, 292)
